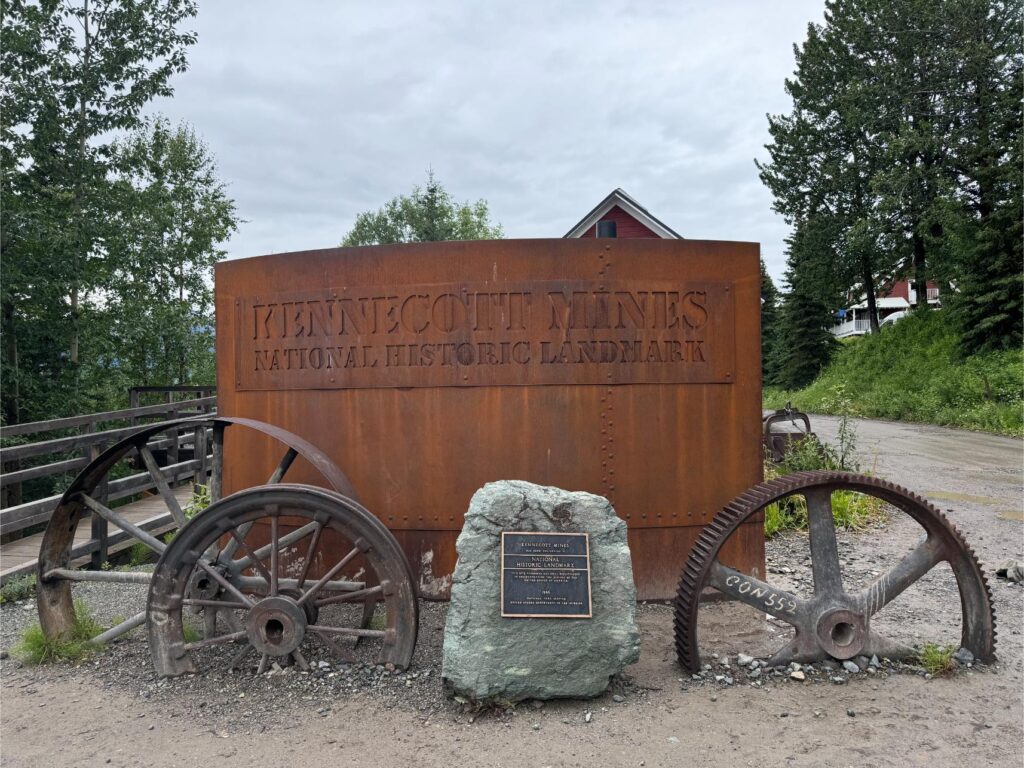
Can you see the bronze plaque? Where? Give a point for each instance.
(487, 334)
(545, 575)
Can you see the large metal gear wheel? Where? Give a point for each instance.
(832, 623)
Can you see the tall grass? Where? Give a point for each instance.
(36, 648)
(911, 372)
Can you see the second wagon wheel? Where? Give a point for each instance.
(835, 621)
(92, 496)
(290, 596)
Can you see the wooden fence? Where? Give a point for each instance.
(60, 447)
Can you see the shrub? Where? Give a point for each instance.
(18, 588)
(850, 510)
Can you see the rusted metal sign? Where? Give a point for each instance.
(545, 575)
(482, 334)
(626, 368)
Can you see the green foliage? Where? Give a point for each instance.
(803, 344)
(200, 500)
(904, 139)
(171, 213)
(429, 214)
(769, 321)
(190, 632)
(139, 554)
(36, 648)
(850, 510)
(92, 298)
(18, 588)
(912, 371)
(937, 659)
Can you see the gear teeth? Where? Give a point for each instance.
(693, 577)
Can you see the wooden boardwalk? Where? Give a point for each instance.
(20, 556)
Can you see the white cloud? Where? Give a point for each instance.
(318, 111)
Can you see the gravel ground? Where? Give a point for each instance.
(117, 712)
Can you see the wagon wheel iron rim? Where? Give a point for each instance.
(278, 617)
(54, 599)
(832, 623)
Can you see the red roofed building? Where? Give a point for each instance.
(620, 216)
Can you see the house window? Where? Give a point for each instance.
(606, 229)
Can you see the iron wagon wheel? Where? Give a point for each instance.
(55, 575)
(832, 623)
(278, 616)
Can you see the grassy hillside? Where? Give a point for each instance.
(911, 372)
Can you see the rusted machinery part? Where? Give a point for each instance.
(781, 428)
(273, 618)
(833, 623)
(54, 597)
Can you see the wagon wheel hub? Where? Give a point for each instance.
(842, 633)
(276, 625)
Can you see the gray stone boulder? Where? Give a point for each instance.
(491, 659)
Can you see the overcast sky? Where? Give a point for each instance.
(318, 111)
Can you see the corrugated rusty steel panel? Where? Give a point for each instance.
(669, 440)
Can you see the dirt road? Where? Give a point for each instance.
(111, 711)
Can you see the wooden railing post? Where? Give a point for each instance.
(133, 402)
(99, 530)
(199, 449)
(172, 449)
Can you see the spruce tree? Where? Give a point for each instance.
(804, 344)
(769, 323)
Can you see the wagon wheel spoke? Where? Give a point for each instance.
(310, 551)
(162, 485)
(216, 640)
(231, 546)
(275, 552)
(220, 604)
(108, 577)
(125, 626)
(237, 660)
(225, 583)
(239, 539)
(336, 650)
(828, 576)
(360, 546)
(113, 517)
(370, 595)
(282, 467)
(925, 556)
(348, 631)
(756, 593)
(286, 541)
